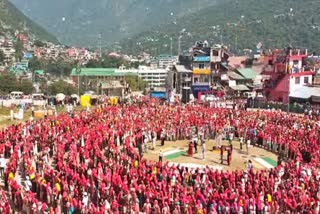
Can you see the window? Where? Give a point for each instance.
(204, 78)
(215, 53)
(306, 80)
(201, 66)
(196, 79)
(297, 80)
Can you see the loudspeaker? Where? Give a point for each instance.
(186, 95)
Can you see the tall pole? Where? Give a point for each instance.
(288, 94)
(171, 46)
(78, 84)
(100, 48)
(288, 73)
(78, 71)
(179, 45)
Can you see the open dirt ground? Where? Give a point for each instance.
(212, 157)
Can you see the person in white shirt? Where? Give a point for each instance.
(160, 156)
(85, 199)
(154, 139)
(248, 145)
(249, 166)
(203, 145)
(28, 184)
(241, 143)
(3, 164)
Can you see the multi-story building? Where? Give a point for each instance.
(163, 61)
(155, 77)
(9, 54)
(201, 68)
(287, 73)
(179, 77)
(219, 63)
(209, 64)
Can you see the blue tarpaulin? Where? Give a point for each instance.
(199, 88)
(160, 95)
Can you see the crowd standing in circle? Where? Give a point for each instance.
(93, 162)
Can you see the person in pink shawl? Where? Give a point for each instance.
(93, 163)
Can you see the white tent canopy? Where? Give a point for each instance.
(305, 92)
(60, 97)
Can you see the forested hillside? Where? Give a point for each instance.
(239, 24)
(11, 19)
(83, 22)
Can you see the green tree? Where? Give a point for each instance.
(112, 62)
(39, 43)
(61, 87)
(19, 50)
(36, 64)
(136, 83)
(93, 63)
(1, 56)
(134, 64)
(43, 85)
(60, 67)
(25, 86)
(8, 83)
(107, 62)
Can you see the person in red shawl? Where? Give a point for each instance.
(90, 163)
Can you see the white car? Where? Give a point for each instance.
(210, 98)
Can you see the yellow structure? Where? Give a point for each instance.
(85, 100)
(114, 100)
(50, 112)
(38, 114)
(201, 71)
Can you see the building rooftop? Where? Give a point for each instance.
(182, 69)
(98, 72)
(39, 72)
(240, 88)
(112, 84)
(235, 76)
(247, 73)
(305, 92)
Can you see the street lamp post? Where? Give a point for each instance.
(171, 46)
(78, 71)
(288, 108)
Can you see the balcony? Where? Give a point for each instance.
(201, 71)
(298, 52)
(201, 59)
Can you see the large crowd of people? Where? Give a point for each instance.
(92, 162)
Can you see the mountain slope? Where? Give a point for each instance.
(81, 21)
(239, 24)
(12, 19)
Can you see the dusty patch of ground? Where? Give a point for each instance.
(212, 158)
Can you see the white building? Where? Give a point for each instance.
(9, 53)
(155, 77)
(164, 61)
